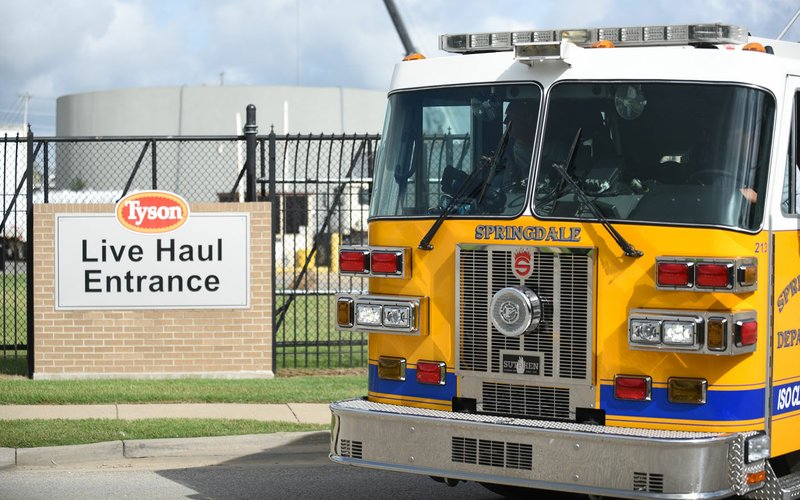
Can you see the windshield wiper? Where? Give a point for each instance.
(491, 165)
(563, 170)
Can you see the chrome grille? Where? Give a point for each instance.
(574, 308)
(475, 320)
(541, 282)
(563, 280)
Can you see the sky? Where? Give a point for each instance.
(51, 48)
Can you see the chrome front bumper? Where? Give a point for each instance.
(563, 456)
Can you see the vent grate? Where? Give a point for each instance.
(352, 449)
(643, 481)
(492, 453)
(530, 401)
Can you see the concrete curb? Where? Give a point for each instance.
(218, 446)
(62, 455)
(221, 445)
(8, 458)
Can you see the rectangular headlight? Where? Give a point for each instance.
(667, 330)
(368, 315)
(680, 332)
(397, 316)
(393, 314)
(645, 331)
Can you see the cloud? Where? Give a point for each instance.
(57, 47)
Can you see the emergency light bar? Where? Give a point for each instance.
(680, 34)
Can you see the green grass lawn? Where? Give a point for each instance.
(330, 371)
(300, 389)
(32, 433)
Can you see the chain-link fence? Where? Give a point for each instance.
(319, 186)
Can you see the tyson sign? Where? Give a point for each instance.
(152, 212)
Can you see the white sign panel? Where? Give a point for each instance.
(204, 264)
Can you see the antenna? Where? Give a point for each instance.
(400, 27)
(26, 99)
(796, 14)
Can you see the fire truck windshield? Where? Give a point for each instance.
(655, 152)
(440, 148)
(658, 152)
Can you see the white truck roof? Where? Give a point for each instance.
(724, 60)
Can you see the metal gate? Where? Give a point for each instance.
(319, 186)
(15, 230)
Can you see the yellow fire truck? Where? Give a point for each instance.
(584, 266)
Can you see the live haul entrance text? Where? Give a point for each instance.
(203, 264)
(164, 250)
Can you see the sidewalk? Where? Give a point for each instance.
(308, 413)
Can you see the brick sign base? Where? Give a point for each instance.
(168, 343)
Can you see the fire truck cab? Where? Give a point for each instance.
(584, 265)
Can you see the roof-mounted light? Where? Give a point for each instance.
(529, 53)
(680, 34)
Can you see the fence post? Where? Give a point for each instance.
(273, 198)
(250, 131)
(29, 249)
(153, 165)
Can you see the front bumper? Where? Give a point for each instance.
(563, 456)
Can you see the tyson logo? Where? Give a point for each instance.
(152, 212)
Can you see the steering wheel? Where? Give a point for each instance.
(698, 176)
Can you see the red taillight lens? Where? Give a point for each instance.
(354, 261)
(673, 274)
(746, 332)
(714, 275)
(387, 263)
(632, 388)
(431, 372)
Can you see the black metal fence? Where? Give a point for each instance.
(15, 318)
(319, 186)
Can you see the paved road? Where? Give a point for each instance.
(299, 469)
(229, 481)
(301, 472)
